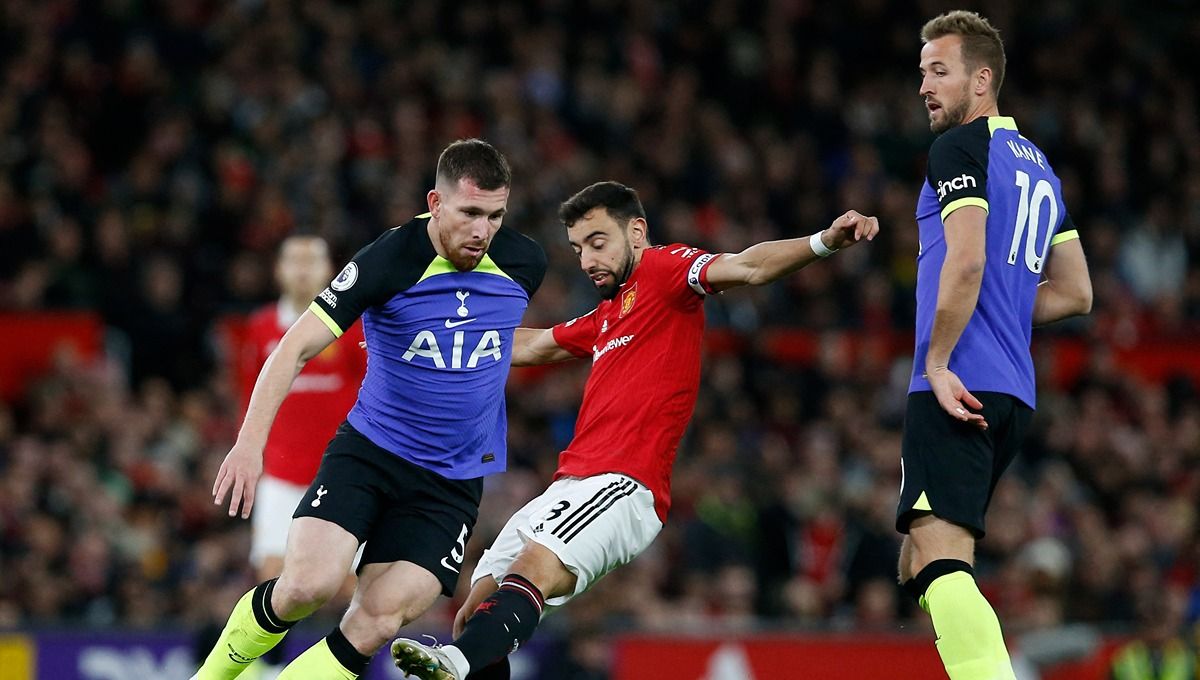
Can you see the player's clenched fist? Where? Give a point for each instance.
(239, 473)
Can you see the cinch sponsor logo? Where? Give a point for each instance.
(329, 298)
(961, 182)
(609, 346)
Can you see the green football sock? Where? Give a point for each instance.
(317, 663)
(243, 640)
(969, 638)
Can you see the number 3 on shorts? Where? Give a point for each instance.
(557, 510)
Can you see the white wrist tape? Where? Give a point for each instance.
(818, 246)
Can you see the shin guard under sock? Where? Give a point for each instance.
(502, 623)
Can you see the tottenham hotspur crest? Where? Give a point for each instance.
(462, 296)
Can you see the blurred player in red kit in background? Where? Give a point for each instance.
(317, 403)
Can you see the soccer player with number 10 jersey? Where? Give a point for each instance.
(998, 255)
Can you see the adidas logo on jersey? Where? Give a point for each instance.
(961, 182)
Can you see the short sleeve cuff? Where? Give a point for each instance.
(1069, 235)
(962, 203)
(563, 336)
(325, 319)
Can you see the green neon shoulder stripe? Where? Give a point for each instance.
(325, 319)
(1000, 123)
(1064, 237)
(441, 265)
(962, 203)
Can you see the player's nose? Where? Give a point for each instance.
(480, 228)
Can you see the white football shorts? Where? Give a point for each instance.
(593, 524)
(274, 502)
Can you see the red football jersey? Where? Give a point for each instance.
(322, 394)
(645, 349)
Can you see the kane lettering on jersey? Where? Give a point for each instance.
(317, 403)
(439, 345)
(645, 349)
(988, 163)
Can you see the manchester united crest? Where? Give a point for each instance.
(627, 300)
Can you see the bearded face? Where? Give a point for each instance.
(605, 251)
(467, 218)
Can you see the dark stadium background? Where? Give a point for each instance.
(154, 153)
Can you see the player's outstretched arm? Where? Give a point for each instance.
(243, 464)
(537, 346)
(772, 260)
(1067, 289)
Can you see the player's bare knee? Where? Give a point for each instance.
(303, 592)
(931, 538)
(545, 570)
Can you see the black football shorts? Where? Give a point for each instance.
(950, 468)
(402, 511)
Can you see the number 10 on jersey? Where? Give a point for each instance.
(1029, 213)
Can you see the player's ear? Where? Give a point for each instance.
(983, 81)
(637, 231)
(434, 201)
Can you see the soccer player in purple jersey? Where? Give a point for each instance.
(989, 215)
(440, 299)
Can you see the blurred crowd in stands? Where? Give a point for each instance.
(153, 155)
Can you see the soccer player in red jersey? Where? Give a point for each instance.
(316, 404)
(611, 493)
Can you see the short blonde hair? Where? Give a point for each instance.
(981, 43)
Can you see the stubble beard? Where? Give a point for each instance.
(954, 116)
(609, 291)
(461, 261)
